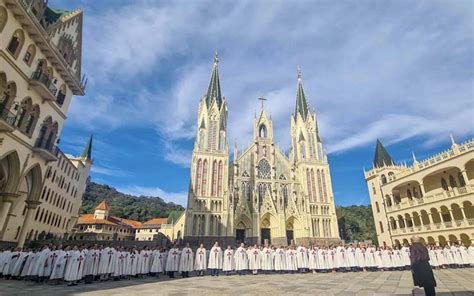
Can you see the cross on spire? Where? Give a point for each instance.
(262, 99)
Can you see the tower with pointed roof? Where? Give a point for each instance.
(207, 210)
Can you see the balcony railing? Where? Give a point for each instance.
(48, 151)
(7, 120)
(44, 85)
(434, 226)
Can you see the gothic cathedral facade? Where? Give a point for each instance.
(263, 195)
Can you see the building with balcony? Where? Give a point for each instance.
(102, 227)
(40, 72)
(432, 198)
(149, 230)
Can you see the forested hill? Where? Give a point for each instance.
(141, 208)
(356, 223)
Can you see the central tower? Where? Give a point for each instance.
(207, 210)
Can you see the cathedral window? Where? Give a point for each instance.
(201, 139)
(214, 178)
(302, 150)
(204, 178)
(219, 181)
(320, 186)
(313, 187)
(263, 169)
(222, 141)
(384, 179)
(197, 183)
(262, 131)
(308, 182)
(323, 178)
(246, 190)
(212, 136)
(29, 54)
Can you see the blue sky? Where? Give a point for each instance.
(401, 71)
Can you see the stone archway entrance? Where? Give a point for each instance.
(289, 233)
(265, 232)
(240, 233)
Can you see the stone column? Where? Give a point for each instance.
(7, 200)
(466, 179)
(207, 225)
(451, 215)
(422, 189)
(463, 213)
(31, 206)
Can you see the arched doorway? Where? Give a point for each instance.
(265, 231)
(242, 229)
(240, 233)
(465, 240)
(442, 241)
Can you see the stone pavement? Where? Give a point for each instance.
(450, 282)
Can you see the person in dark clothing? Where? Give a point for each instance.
(421, 268)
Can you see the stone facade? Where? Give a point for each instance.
(40, 71)
(433, 198)
(264, 195)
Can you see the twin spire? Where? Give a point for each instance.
(382, 158)
(214, 91)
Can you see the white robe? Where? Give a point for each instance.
(254, 256)
(378, 259)
(440, 257)
(301, 257)
(291, 261)
(360, 257)
(241, 259)
(172, 262)
(267, 259)
(332, 254)
(350, 257)
(201, 259)
(370, 257)
(215, 258)
(313, 263)
(433, 259)
(74, 267)
(448, 255)
(157, 264)
(6, 261)
(228, 263)
(106, 262)
(341, 260)
(280, 259)
(456, 255)
(21, 263)
(41, 260)
(131, 264)
(387, 259)
(464, 255)
(405, 255)
(143, 262)
(397, 258)
(59, 265)
(119, 264)
(322, 259)
(31, 265)
(186, 261)
(91, 264)
(471, 254)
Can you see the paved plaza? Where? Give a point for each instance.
(450, 282)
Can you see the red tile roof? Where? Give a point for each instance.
(103, 206)
(111, 220)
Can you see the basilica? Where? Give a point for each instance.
(262, 195)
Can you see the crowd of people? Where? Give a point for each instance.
(72, 264)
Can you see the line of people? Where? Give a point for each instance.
(55, 264)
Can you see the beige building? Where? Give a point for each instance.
(40, 71)
(433, 198)
(102, 226)
(175, 229)
(264, 195)
(149, 230)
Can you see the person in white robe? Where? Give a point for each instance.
(28, 273)
(228, 263)
(470, 251)
(106, 263)
(254, 256)
(73, 272)
(313, 259)
(57, 273)
(40, 262)
(119, 264)
(432, 255)
(448, 256)
(456, 255)
(172, 262)
(186, 261)
(440, 256)
(387, 258)
(332, 259)
(341, 260)
(280, 260)
(266, 259)
(302, 258)
(200, 263)
(397, 259)
(157, 264)
(10, 262)
(370, 258)
(405, 250)
(378, 259)
(464, 255)
(44, 272)
(215, 259)
(360, 257)
(351, 258)
(291, 264)
(91, 264)
(144, 262)
(131, 263)
(241, 260)
(20, 263)
(323, 259)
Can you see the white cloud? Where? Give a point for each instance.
(175, 197)
(392, 71)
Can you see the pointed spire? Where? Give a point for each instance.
(382, 158)
(414, 157)
(214, 89)
(452, 140)
(87, 153)
(301, 103)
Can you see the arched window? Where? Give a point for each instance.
(214, 178)
(452, 182)
(201, 139)
(415, 192)
(29, 54)
(219, 181)
(384, 179)
(462, 182)
(204, 178)
(16, 43)
(313, 187)
(262, 131)
(222, 141)
(444, 185)
(263, 169)
(25, 108)
(61, 95)
(320, 186)
(323, 178)
(381, 226)
(377, 207)
(409, 194)
(197, 184)
(302, 150)
(3, 17)
(8, 95)
(308, 181)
